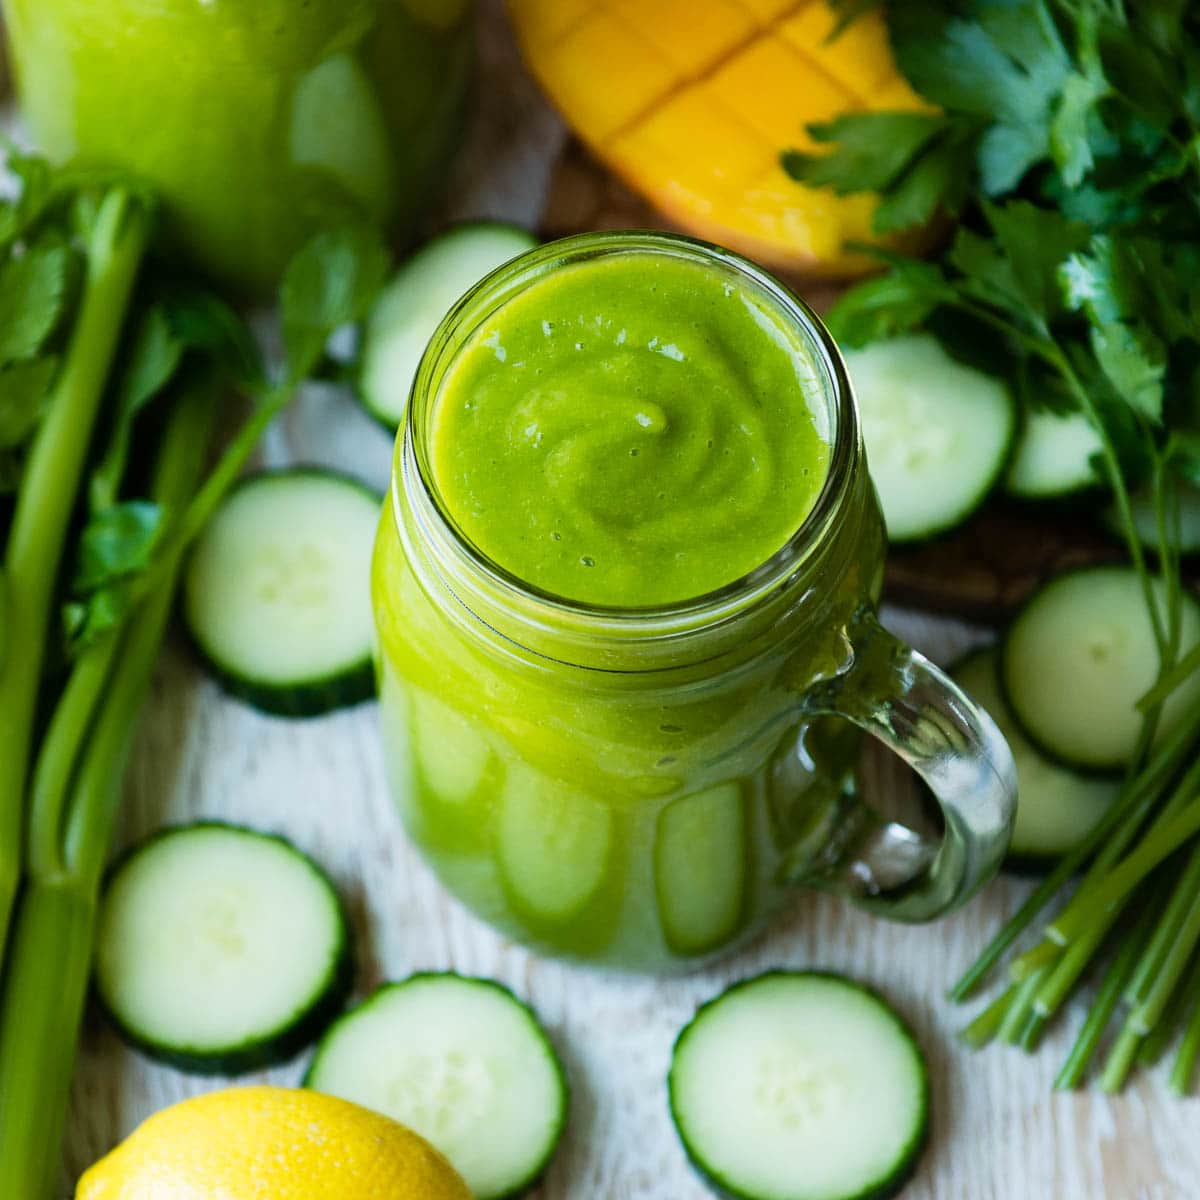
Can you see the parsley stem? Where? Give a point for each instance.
(216, 486)
(233, 460)
(1116, 479)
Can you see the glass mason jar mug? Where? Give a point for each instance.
(258, 122)
(644, 787)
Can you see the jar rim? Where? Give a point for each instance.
(414, 468)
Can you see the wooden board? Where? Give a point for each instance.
(1000, 1133)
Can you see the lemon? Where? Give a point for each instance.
(265, 1143)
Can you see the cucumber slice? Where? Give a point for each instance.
(456, 775)
(700, 868)
(1077, 659)
(221, 950)
(800, 1086)
(277, 593)
(1145, 520)
(451, 753)
(1056, 807)
(937, 433)
(412, 306)
(554, 843)
(463, 1063)
(1054, 456)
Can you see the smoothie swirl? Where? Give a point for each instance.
(630, 431)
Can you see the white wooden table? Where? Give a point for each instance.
(999, 1131)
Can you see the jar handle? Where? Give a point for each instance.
(917, 711)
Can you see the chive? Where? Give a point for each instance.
(1108, 839)
(1185, 1060)
(1120, 1060)
(1162, 841)
(1184, 891)
(1107, 999)
(987, 1024)
(1044, 954)
(1149, 1012)
(1180, 673)
(1159, 1038)
(1070, 968)
(1031, 1032)
(1021, 1008)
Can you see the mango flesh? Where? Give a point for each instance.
(692, 104)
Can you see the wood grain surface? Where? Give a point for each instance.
(999, 1132)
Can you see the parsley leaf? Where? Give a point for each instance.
(938, 181)
(1036, 242)
(204, 322)
(890, 304)
(1004, 63)
(1184, 456)
(920, 163)
(23, 388)
(117, 543)
(331, 282)
(1135, 362)
(872, 150)
(33, 292)
(153, 358)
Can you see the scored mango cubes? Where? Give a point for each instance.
(693, 101)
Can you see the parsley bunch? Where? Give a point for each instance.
(1062, 140)
(110, 376)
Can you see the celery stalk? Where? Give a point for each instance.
(44, 992)
(45, 987)
(45, 503)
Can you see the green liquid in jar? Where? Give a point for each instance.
(258, 122)
(629, 432)
(642, 818)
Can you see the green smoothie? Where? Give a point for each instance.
(625, 784)
(258, 121)
(630, 432)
